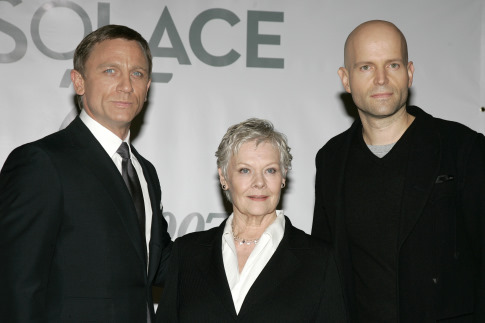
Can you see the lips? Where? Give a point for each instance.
(384, 95)
(123, 104)
(258, 197)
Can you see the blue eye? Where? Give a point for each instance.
(138, 74)
(109, 71)
(244, 171)
(271, 170)
(365, 68)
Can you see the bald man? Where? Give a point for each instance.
(401, 195)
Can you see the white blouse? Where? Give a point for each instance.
(240, 283)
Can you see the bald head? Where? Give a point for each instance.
(373, 31)
(377, 72)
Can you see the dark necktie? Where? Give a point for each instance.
(130, 177)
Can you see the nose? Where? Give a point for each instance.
(258, 181)
(124, 84)
(381, 76)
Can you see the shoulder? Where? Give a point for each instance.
(29, 179)
(196, 247)
(336, 143)
(56, 142)
(452, 135)
(304, 244)
(457, 134)
(449, 131)
(34, 153)
(200, 238)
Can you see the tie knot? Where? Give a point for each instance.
(124, 151)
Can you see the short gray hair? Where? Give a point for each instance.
(253, 129)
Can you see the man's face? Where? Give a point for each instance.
(375, 72)
(115, 84)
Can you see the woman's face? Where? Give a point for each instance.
(254, 179)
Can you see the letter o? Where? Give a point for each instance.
(34, 26)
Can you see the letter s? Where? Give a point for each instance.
(17, 35)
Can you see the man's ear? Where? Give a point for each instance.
(344, 77)
(410, 73)
(148, 88)
(77, 82)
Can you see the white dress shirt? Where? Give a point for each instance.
(111, 143)
(240, 283)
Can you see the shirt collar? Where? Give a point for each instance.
(108, 140)
(275, 230)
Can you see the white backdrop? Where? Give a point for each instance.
(289, 77)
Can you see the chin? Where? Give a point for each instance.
(263, 212)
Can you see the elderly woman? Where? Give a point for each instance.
(256, 266)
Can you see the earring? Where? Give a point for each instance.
(224, 187)
(283, 185)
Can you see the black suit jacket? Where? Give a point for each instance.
(441, 242)
(69, 241)
(300, 283)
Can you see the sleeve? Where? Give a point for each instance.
(168, 307)
(473, 208)
(320, 225)
(30, 218)
(332, 306)
(164, 242)
(166, 246)
(161, 275)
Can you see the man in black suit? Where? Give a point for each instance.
(76, 243)
(400, 194)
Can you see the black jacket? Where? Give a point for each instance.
(300, 283)
(441, 242)
(70, 249)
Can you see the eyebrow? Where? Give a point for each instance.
(371, 63)
(136, 67)
(249, 165)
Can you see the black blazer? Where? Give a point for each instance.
(441, 242)
(300, 283)
(69, 244)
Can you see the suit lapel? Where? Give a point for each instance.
(422, 171)
(212, 267)
(91, 155)
(156, 234)
(336, 193)
(337, 198)
(281, 265)
(336, 171)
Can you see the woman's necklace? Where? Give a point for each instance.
(242, 241)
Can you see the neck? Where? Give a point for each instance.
(251, 227)
(384, 131)
(121, 133)
(119, 129)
